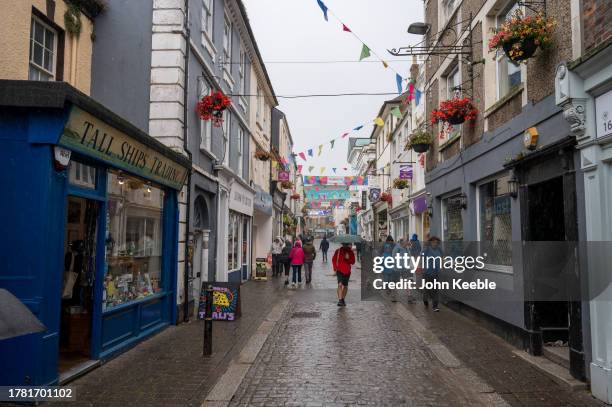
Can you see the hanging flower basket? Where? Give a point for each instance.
(212, 106)
(386, 197)
(262, 155)
(286, 184)
(520, 37)
(454, 111)
(295, 197)
(420, 141)
(400, 183)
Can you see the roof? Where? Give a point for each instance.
(398, 99)
(56, 95)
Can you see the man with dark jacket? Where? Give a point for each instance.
(310, 254)
(324, 247)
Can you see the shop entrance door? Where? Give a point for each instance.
(77, 301)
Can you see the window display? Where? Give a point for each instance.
(133, 240)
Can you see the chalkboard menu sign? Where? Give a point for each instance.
(226, 301)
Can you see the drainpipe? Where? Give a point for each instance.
(187, 35)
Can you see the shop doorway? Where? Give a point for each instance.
(77, 296)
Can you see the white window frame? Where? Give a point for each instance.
(227, 128)
(205, 125)
(242, 67)
(207, 24)
(490, 267)
(500, 55)
(455, 73)
(240, 150)
(227, 44)
(41, 70)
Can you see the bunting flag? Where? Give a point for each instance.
(310, 168)
(302, 156)
(334, 170)
(332, 144)
(358, 128)
(345, 28)
(274, 164)
(399, 80)
(365, 52)
(310, 152)
(323, 8)
(299, 167)
(379, 122)
(396, 112)
(418, 95)
(385, 64)
(320, 149)
(344, 135)
(322, 170)
(410, 91)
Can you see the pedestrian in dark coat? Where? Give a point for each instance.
(310, 255)
(324, 247)
(285, 260)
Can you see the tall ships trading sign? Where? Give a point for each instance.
(91, 136)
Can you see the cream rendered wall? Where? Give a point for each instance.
(15, 44)
(260, 133)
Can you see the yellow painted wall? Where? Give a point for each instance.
(15, 45)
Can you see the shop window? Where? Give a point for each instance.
(495, 222)
(452, 219)
(133, 240)
(43, 51)
(233, 230)
(508, 73)
(82, 175)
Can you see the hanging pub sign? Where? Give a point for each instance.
(283, 176)
(93, 137)
(226, 301)
(405, 171)
(374, 195)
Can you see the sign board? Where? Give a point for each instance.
(91, 136)
(226, 301)
(283, 176)
(241, 199)
(603, 112)
(374, 195)
(261, 269)
(405, 171)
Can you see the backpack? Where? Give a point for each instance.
(284, 256)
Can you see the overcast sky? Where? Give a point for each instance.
(294, 30)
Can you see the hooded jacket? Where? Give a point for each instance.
(310, 252)
(297, 255)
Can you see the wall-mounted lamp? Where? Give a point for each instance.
(418, 28)
(430, 205)
(513, 185)
(149, 187)
(120, 179)
(463, 201)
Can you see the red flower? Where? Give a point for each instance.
(211, 107)
(454, 109)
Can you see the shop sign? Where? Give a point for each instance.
(283, 176)
(603, 111)
(263, 201)
(91, 136)
(241, 199)
(374, 195)
(405, 171)
(226, 301)
(261, 269)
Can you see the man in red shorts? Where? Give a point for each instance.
(342, 261)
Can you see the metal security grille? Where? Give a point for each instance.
(306, 315)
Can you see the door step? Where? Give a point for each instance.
(558, 354)
(556, 372)
(78, 371)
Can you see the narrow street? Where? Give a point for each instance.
(374, 353)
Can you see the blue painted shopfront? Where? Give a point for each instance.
(33, 210)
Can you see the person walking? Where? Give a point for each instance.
(277, 249)
(297, 257)
(387, 251)
(310, 255)
(285, 260)
(432, 259)
(401, 249)
(324, 247)
(342, 260)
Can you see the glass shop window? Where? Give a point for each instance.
(133, 240)
(495, 221)
(82, 175)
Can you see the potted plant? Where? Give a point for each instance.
(454, 111)
(211, 107)
(286, 184)
(400, 183)
(520, 37)
(420, 141)
(386, 197)
(262, 155)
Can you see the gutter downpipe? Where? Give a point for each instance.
(186, 34)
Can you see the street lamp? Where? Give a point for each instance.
(418, 28)
(513, 185)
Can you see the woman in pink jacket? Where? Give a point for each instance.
(297, 257)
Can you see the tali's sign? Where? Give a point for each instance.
(91, 136)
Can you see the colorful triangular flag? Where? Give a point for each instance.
(323, 8)
(310, 152)
(379, 122)
(358, 128)
(399, 80)
(334, 170)
(299, 169)
(302, 156)
(344, 135)
(310, 168)
(332, 144)
(365, 52)
(320, 150)
(396, 112)
(385, 64)
(322, 170)
(345, 28)
(418, 94)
